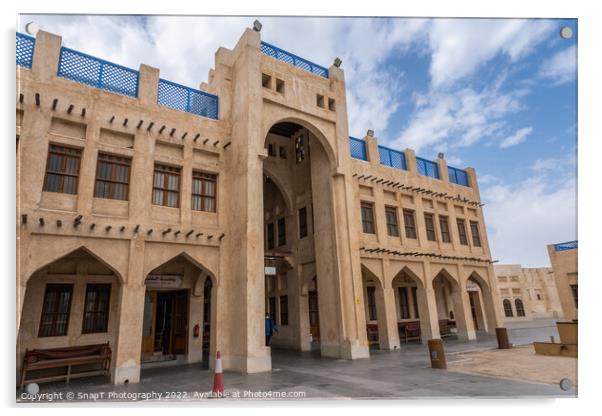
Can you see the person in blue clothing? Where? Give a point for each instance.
(270, 328)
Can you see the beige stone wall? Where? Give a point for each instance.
(134, 237)
(564, 264)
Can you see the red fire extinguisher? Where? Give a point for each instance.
(196, 331)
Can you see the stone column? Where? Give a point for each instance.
(127, 353)
(463, 317)
(388, 335)
(427, 307)
(241, 294)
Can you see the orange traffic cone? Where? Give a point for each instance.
(218, 377)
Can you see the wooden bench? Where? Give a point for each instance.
(409, 331)
(68, 357)
(372, 330)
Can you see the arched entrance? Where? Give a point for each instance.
(298, 240)
(72, 301)
(482, 303)
(449, 304)
(475, 297)
(178, 318)
(411, 307)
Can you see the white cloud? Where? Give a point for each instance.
(518, 137)
(560, 68)
(460, 46)
(459, 118)
(523, 219)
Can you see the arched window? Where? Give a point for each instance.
(520, 310)
(508, 308)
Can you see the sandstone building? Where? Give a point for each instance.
(526, 293)
(167, 220)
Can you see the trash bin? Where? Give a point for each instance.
(437, 354)
(502, 338)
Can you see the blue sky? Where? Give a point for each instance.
(499, 95)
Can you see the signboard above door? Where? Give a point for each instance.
(164, 281)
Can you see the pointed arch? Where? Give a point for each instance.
(407, 271)
(476, 277)
(59, 254)
(167, 256)
(366, 272)
(448, 277)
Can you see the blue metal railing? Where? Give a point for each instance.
(358, 148)
(427, 168)
(182, 98)
(24, 50)
(392, 158)
(457, 176)
(86, 69)
(569, 245)
(282, 55)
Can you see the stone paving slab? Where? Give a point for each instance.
(400, 374)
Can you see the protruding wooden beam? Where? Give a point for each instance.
(140, 124)
(227, 145)
(125, 122)
(161, 129)
(176, 233)
(78, 220)
(21, 97)
(92, 226)
(189, 233)
(136, 228)
(122, 229)
(216, 143)
(54, 103)
(59, 223)
(198, 235)
(149, 232)
(24, 219)
(37, 99)
(184, 135)
(84, 112)
(70, 109)
(150, 126)
(221, 237)
(166, 231)
(108, 227)
(172, 132)
(196, 137)
(205, 141)
(41, 221)
(112, 118)
(209, 237)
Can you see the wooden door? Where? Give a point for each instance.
(179, 340)
(314, 316)
(148, 325)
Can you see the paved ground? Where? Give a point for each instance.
(518, 363)
(401, 374)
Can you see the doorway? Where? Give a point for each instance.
(473, 308)
(314, 315)
(165, 327)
